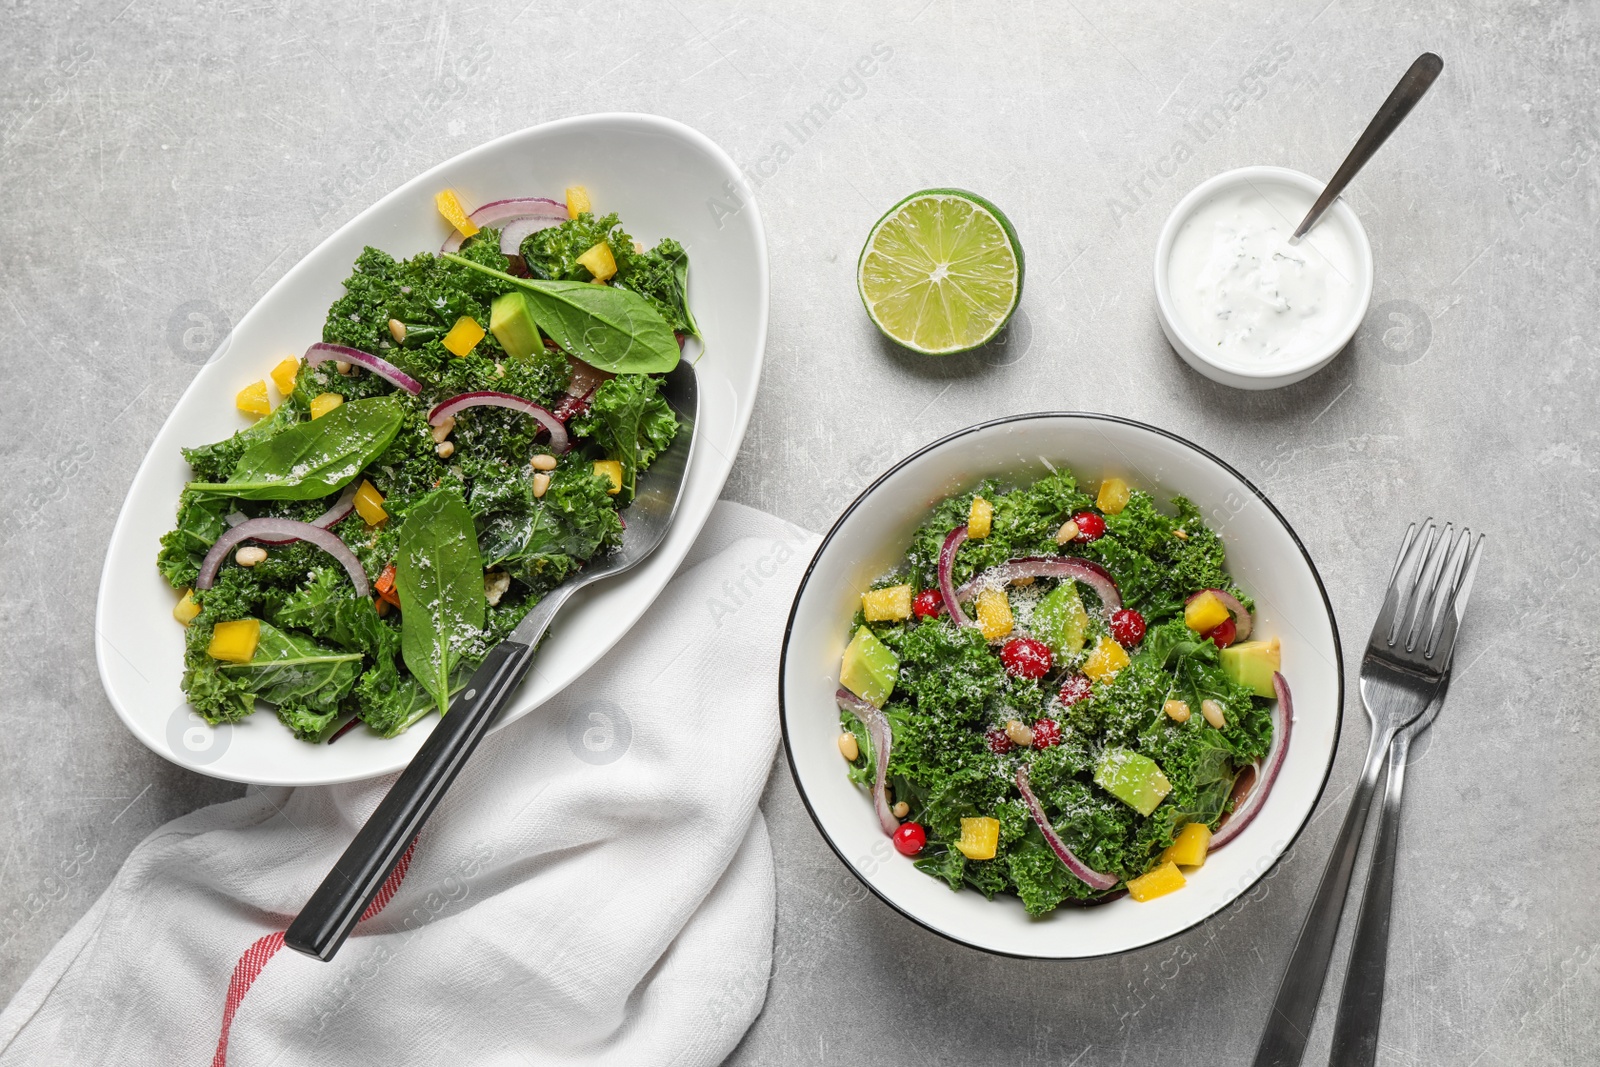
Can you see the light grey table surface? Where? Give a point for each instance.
(162, 165)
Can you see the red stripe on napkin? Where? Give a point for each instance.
(255, 958)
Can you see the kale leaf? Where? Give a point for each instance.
(630, 419)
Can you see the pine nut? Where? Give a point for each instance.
(446, 449)
(1181, 534)
(848, 747)
(249, 555)
(343, 368)
(1177, 710)
(1068, 531)
(1020, 735)
(397, 330)
(495, 584)
(901, 810)
(444, 429)
(543, 462)
(541, 483)
(499, 370)
(1213, 713)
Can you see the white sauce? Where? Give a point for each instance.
(1245, 291)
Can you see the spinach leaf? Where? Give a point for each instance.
(661, 276)
(292, 667)
(214, 461)
(439, 575)
(312, 459)
(632, 422)
(612, 329)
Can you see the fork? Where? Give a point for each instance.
(1405, 669)
(1355, 1028)
(344, 895)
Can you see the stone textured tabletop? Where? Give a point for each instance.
(163, 164)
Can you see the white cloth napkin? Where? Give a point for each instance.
(596, 888)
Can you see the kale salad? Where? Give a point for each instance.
(467, 433)
(1053, 695)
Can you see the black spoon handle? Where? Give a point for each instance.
(338, 904)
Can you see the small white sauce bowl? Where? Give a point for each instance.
(1242, 374)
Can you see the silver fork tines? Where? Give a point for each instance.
(1416, 625)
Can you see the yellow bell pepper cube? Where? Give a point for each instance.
(252, 399)
(980, 519)
(463, 336)
(324, 403)
(369, 504)
(599, 261)
(1205, 613)
(186, 609)
(577, 201)
(980, 838)
(1113, 496)
(235, 642)
(1105, 660)
(994, 614)
(1157, 883)
(284, 374)
(1189, 848)
(450, 207)
(887, 605)
(610, 468)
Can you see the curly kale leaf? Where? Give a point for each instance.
(541, 540)
(200, 523)
(1025, 524)
(630, 419)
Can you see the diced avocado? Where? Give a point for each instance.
(1252, 665)
(869, 669)
(511, 322)
(1060, 621)
(1135, 780)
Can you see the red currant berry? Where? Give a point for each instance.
(999, 741)
(1025, 658)
(928, 604)
(1074, 689)
(1224, 634)
(1046, 733)
(1127, 626)
(1091, 527)
(910, 838)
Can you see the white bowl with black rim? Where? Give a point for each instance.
(1265, 557)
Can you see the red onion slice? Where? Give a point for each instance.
(1282, 722)
(559, 441)
(1241, 617)
(1079, 570)
(321, 353)
(284, 531)
(947, 560)
(502, 212)
(1080, 870)
(327, 520)
(882, 738)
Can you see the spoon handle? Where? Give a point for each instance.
(1407, 92)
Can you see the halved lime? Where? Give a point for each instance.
(941, 272)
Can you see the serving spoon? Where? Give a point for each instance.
(1411, 87)
(338, 904)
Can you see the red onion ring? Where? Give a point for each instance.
(501, 212)
(1282, 722)
(287, 530)
(947, 560)
(1079, 570)
(559, 441)
(321, 353)
(517, 230)
(882, 738)
(1241, 617)
(1080, 870)
(327, 520)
